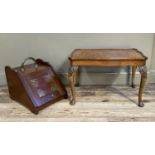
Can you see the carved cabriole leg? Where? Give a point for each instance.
(78, 76)
(71, 75)
(133, 76)
(143, 72)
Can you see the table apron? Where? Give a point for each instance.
(108, 63)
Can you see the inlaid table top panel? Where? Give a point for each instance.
(107, 54)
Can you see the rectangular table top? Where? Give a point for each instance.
(107, 54)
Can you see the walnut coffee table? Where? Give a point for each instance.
(103, 58)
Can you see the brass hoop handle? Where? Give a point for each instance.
(29, 58)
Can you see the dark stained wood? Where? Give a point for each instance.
(107, 57)
(35, 86)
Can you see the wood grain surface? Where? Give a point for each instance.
(94, 103)
(107, 54)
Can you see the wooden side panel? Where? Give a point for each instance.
(17, 91)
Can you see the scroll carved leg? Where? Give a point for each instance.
(143, 72)
(71, 79)
(78, 77)
(133, 76)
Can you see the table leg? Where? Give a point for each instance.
(133, 76)
(71, 85)
(78, 76)
(143, 72)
